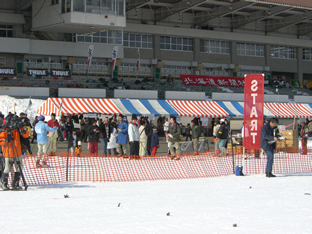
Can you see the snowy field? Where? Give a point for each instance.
(211, 205)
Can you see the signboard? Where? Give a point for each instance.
(213, 80)
(204, 121)
(253, 110)
(37, 72)
(60, 72)
(8, 71)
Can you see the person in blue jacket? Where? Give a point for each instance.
(122, 138)
(268, 144)
(41, 129)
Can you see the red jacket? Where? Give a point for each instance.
(52, 124)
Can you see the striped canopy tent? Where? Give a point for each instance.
(236, 109)
(288, 110)
(308, 107)
(208, 109)
(73, 106)
(144, 107)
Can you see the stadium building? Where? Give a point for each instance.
(207, 37)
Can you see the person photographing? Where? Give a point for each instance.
(269, 138)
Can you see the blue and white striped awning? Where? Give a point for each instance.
(144, 107)
(308, 106)
(236, 109)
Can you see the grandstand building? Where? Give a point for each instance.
(207, 37)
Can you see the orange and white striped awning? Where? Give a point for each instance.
(208, 109)
(288, 110)
(72, 106)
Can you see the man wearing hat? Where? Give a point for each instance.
(42, 129)
(134, 137)
(53, 135)
(304, 137)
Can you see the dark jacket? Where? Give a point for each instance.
(175, 132)
(196, 132)
(69, 126)
(71, 140)
(83, 125)
(155, 140)
(223, 132)
(93, 136)
(267, 134)
(103, 130)
(188, 131)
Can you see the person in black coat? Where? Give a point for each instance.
(268, 143)
(105, 133)
(93, 133)
(69, 126)
(83, 129)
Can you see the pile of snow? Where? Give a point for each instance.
(256, 204)
(7, 105)
(226, 90)
(268, 91)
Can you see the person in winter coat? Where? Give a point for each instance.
(174, 138)
(104, 134)
(310, 128)
(304, 137)
(72, 142)
(12, 155)
(134, 137)
(155, 142)
(122, 138)
(188, 132)
(34, 132)
(111, 145)
(93, 133)
(69, 126)
(83, 129)
(268, 144)
(195, 135)
(143, 138)
(53, 135)
(222, 136)
(42, 129)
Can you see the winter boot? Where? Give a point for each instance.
(269, 174)
(44, 164)
(4, 181)
(38, 165)
(15, 185)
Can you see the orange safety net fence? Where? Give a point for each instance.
(68, 167)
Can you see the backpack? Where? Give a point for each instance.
(239, 171)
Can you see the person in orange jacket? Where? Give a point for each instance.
(13, 154)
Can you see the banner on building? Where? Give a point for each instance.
(138, 60)
(253, 110)
(90, 54)
(213, 80)
(8, 71)
(37, 72)
(114, 57)
(60, 72)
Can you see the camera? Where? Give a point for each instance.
(15, 122)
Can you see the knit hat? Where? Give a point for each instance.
(41, 117)
(134, 117)
(302, 122)
(222, 120)
(79, 142)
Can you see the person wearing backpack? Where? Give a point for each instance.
(174, 138)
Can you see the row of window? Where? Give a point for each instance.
(177, 43)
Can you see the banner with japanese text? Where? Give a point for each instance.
(253, 110)
(213, 80)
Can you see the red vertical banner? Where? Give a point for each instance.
(253, 110)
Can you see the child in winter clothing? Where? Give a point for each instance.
(155, 142)
(78, 149)
(72, 141)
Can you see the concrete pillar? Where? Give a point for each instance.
(196, 49)
(156, 47)
(299, 74)
(233, 51)
(267, 55)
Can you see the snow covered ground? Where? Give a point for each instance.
(211, 205)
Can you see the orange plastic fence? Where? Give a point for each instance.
(66, 167)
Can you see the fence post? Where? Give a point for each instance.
(67, 161)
